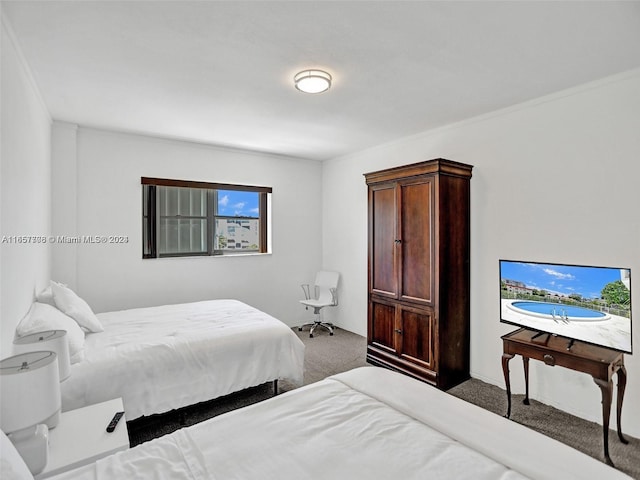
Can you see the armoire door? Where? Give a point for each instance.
(382, 326)
(416, 240)
(383, 268)
(415, 342)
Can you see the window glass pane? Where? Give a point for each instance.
(237, 235)
(192, 202)
(197, 202)
(145, 199)
(235, 203)
(169, 200)
(184, 201)
(182, 236)
(168, 236)
(187, 202)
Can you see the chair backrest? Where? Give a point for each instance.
(326, 287)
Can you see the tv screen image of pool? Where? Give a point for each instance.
(586, 303)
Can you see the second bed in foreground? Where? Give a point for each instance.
(367, 423)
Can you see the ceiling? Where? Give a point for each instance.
(222, 72)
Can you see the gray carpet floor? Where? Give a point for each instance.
(327, 355)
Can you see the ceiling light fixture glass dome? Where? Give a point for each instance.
(312, 81)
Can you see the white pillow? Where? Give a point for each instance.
(12, 466)
(42, 317)
(46, 296)
(71, 304)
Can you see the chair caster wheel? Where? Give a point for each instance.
(310, 335)
(331, 334)
(299, 329)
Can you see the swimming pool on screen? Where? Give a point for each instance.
(557, 311)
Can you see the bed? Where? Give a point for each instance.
(167, 357)
(162, 358)
(366, 423)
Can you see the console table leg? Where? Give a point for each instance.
(505, 370)
(622, 383)
(606, 388)
(525, 362)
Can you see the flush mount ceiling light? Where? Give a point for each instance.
(312, 81)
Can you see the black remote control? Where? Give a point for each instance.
(114, 421)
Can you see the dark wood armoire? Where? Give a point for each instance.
(418, 278)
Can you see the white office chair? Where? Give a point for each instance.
(326, 295)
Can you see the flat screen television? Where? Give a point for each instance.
(582, 303)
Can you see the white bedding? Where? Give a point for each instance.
(161, 358)
(367, 423)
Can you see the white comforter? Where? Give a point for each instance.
(161, 358)
(369, 423)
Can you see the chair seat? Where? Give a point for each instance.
(315, 303)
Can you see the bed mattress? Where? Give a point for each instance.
(161, 358)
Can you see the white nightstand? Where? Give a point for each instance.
(81, 437)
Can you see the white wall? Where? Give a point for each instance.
(108, 201)
(25, 189)
(64, 184)
(555, 180)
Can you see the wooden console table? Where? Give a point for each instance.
(600, 363)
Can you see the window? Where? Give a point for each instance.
(184, 218)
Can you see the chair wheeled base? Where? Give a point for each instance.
(314, 325)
